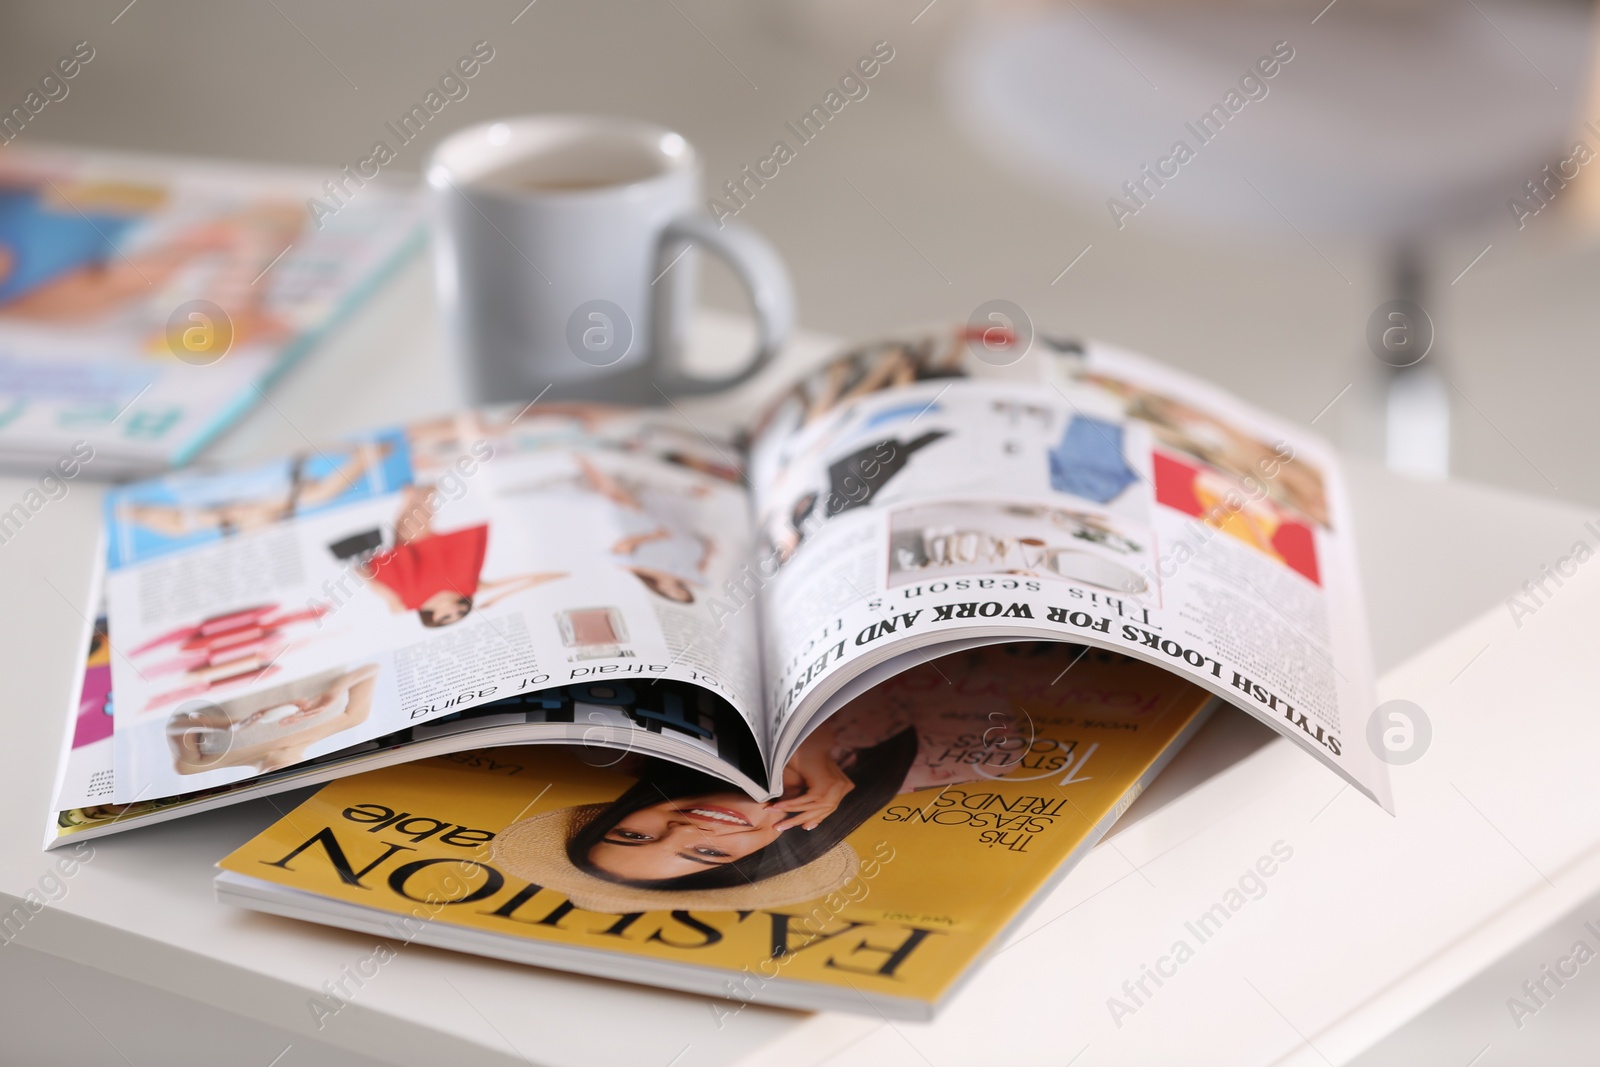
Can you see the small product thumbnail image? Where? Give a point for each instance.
(594, 633)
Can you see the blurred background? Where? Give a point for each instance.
(1380, 163)
(1435, 151)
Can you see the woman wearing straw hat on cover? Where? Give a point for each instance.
(680, 839)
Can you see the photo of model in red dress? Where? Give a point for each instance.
(439, 575)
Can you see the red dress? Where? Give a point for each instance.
(434, 564)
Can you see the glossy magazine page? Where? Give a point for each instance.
(914, 828)
(960, 483)
(265, 617)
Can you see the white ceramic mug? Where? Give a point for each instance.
(565, 261)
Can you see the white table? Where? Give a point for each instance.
(141, 944)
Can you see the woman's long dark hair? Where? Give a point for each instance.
(878, 772)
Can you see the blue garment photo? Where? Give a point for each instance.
(1088, 462)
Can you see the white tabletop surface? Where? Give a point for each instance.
(1354, 942)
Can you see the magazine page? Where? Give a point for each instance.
(264, 617)
(962, 484)
(83, 772)
(143, 297)
(86, 772)
(83, 808)
(837, 894)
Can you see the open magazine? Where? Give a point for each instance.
(1005, 763)
(614, 577)
(144, 301)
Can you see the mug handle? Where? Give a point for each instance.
(761, 270)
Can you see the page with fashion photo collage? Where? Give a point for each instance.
(963, 484)
(277, 615)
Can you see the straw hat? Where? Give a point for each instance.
(535, 850)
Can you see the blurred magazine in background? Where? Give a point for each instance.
(145, 301)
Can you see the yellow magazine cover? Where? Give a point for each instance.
(917, 824)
